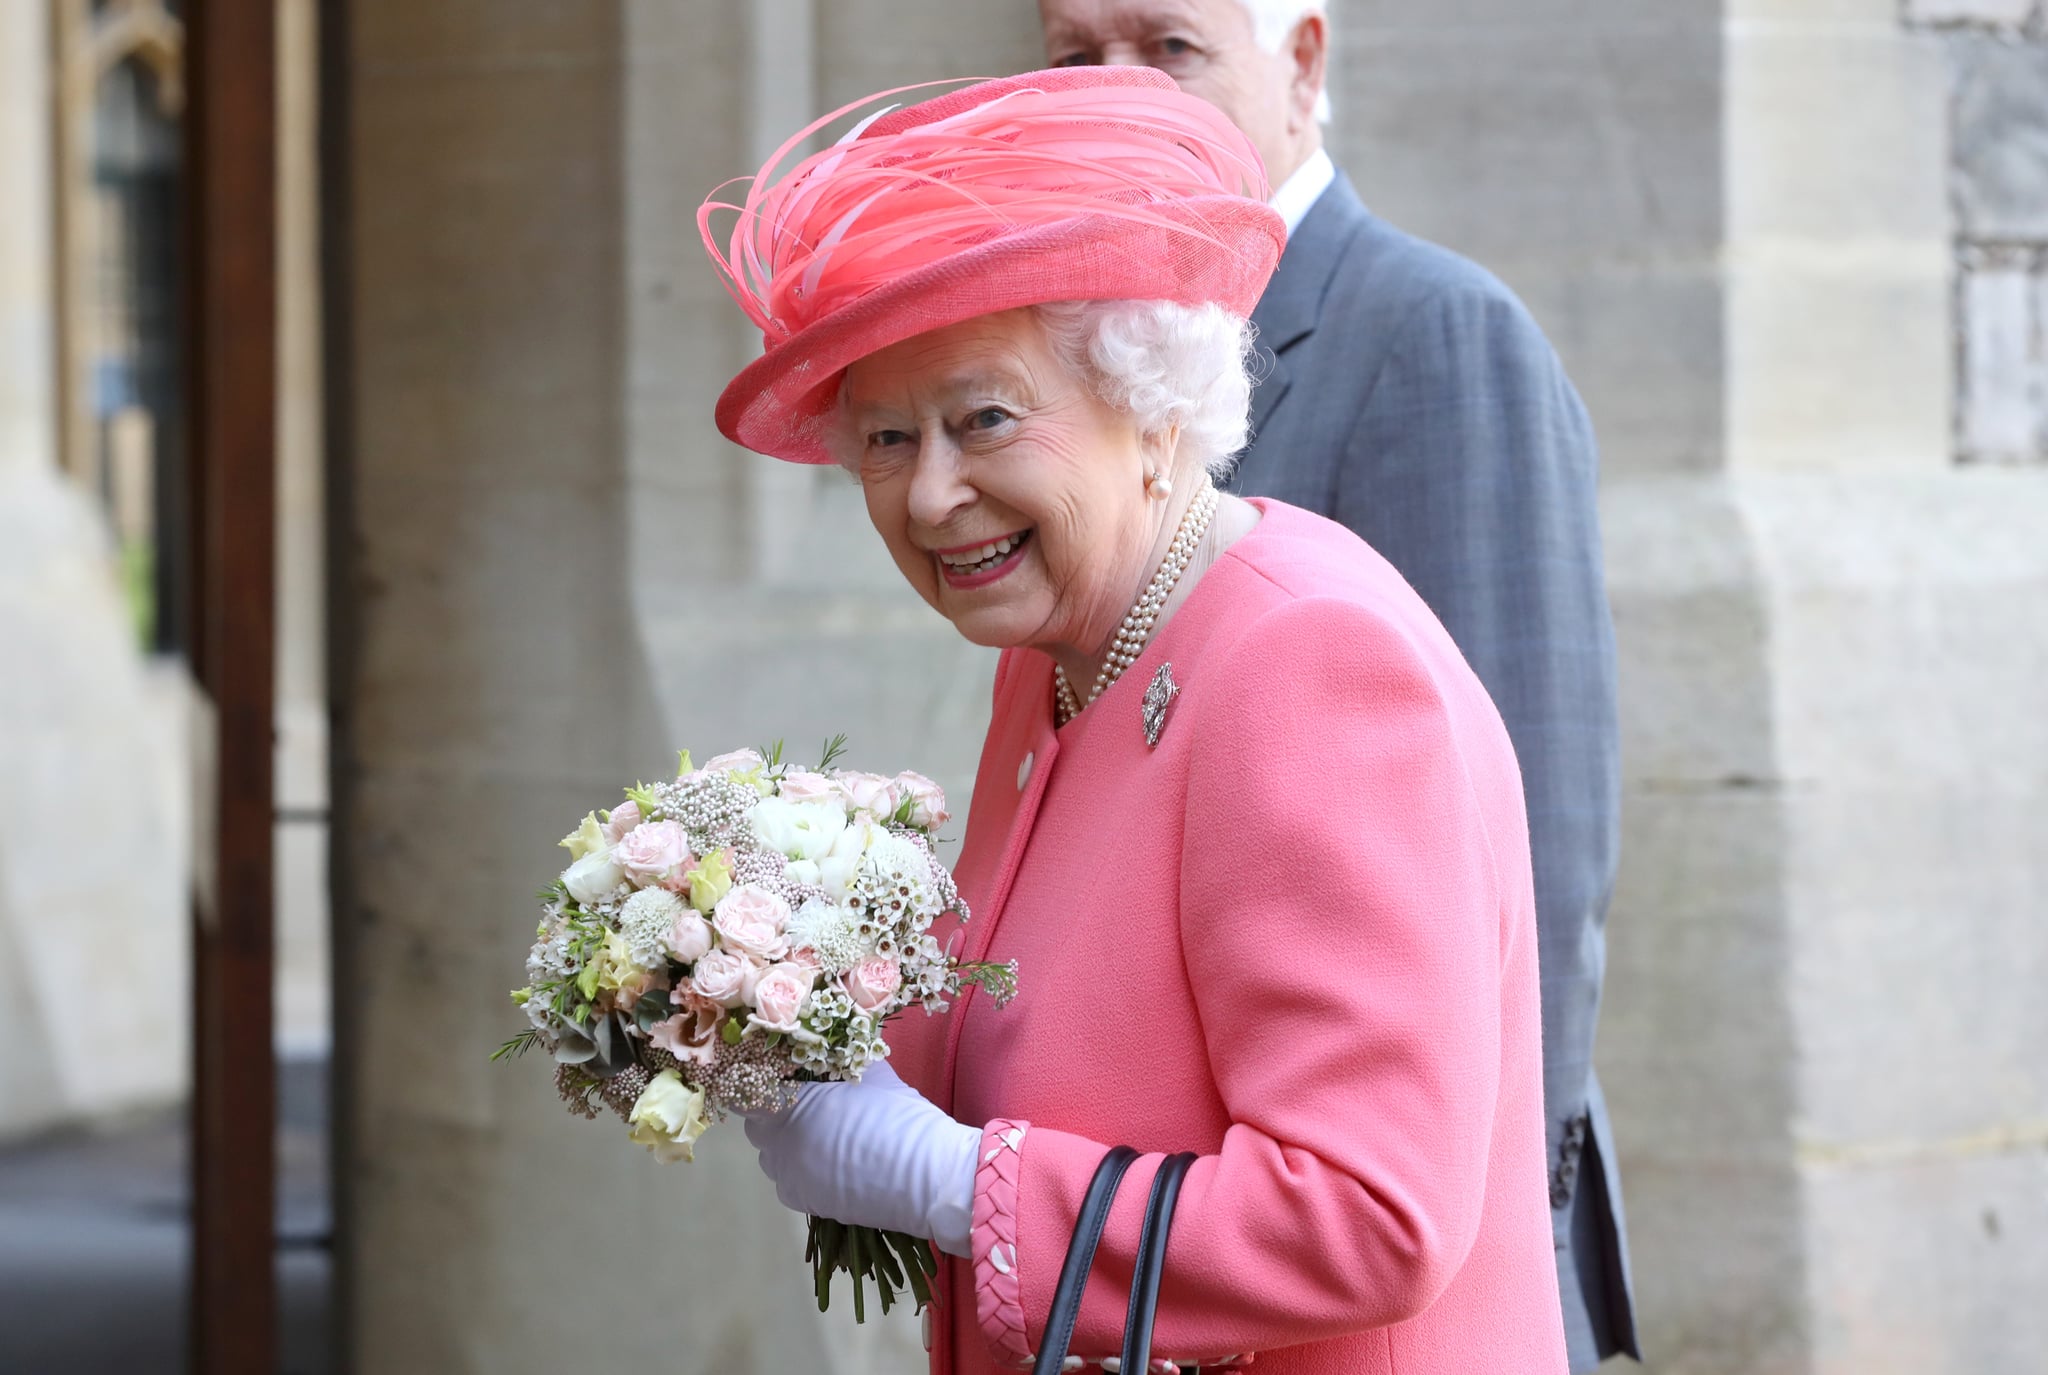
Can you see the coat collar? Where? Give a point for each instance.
(1016, 766)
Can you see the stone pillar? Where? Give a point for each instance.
(493, 689)
(303, 976)
(27, 409)
(93, 802)
(1826, 942)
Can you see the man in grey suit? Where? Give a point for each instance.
(1411, 397)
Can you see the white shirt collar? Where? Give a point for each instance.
(1303, 189)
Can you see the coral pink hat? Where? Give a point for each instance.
(1081, 183)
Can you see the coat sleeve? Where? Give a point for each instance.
(1473, 469)
(1342, 929)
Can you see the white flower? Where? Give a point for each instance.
(668, 1117)
(646, 920)
(802, 871)
(832, 932)
(798, 830)
(871, 793)
(927, 800)
(592, 878)
(836, 870)
(654, 907)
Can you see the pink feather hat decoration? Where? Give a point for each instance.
(1080, 183)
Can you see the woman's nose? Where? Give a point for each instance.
(939, 489)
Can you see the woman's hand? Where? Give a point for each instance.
(872, 1154)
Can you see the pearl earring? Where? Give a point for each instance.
(1157, 487)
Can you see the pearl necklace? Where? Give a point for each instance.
(1137, 625)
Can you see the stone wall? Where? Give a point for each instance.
(1998, 55)
(1734, 218)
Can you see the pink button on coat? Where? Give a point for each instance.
(1297, 937)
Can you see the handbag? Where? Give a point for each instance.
(1150, 1263)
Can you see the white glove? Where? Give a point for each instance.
(873, 1154)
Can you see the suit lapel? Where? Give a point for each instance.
(1293, 304)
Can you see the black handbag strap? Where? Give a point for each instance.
(1151, 1262)
(1088, 1225)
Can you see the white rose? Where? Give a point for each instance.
(800, 871)
(927, 800)
(668, 1117)
(871, 793)
(592, 878)
(798, 830)
(801, 785)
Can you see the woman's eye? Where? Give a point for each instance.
(1072, 60)
(887, 439)
(988, 418)
(1176, 47)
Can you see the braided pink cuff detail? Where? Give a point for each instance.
(998, 1296)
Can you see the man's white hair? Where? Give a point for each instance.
(1166, 365)
(1273, 20)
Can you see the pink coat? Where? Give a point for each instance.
(1298, 937)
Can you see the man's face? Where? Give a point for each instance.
(1209, 47)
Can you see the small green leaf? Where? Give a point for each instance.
(683, 764)
(730, 1032)
(834, 748)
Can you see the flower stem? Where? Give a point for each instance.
(895, 1260)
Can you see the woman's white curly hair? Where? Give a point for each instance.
(1166, 365)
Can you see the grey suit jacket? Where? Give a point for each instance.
(1411, 397)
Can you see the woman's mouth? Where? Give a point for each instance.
(978, 565)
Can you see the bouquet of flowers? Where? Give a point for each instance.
(719, 939)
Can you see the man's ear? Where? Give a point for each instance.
(1308, 47)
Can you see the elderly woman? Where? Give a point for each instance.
(1244, 818)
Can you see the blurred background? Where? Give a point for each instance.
(362, 523)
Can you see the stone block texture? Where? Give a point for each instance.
(1987, 12)
(2001, 138)
(2004, 392)
(1997, 53)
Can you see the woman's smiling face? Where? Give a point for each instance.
(1011, 496)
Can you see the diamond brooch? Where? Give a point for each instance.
(1159, 695)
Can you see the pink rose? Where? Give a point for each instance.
(726, 977)
(657, 852)
(806, 958)
(780, 997)
(690, 937)
(623, 819)
(927, 800)
(871, 793)
(736, 761)
(872, 983)
(800, 786)
(751, 920)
